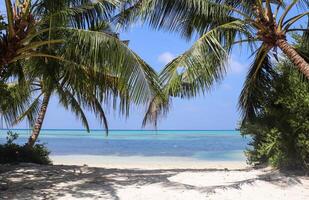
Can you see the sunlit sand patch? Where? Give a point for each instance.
(215, 178)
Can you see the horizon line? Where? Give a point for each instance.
(68, 129)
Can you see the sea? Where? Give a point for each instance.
(206, 145)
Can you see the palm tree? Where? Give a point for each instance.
(63, 47)
(69, 24)
(77, 89)
(263, 25)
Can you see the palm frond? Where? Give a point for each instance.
(99, 112)
(107, 54)
(78, 13)
(184, 16)
(17, 101)
(203, 64)
(30, 113)
(158, 107)
(69, 101)
(258, 80)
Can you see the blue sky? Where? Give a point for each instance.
(216, 110)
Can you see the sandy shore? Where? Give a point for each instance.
(168, 180)
(142, 162)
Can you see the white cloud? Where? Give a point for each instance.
(235, 67)
(166, 57)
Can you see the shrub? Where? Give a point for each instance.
(280, 130)
(11, 152)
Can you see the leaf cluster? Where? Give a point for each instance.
(72, 51)
(220, 26)
(12, 153)
(280, 130)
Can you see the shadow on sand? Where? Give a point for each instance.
(53, 182)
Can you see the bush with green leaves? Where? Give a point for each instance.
(280, 129)
(11, 152)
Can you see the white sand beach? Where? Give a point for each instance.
(144, 162)
(123, 178)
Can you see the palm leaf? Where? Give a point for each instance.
(30, 113)
(78, 13)
(157, 108)
(258, 80)
(16, 102)
(203, 64)
(68, 100)
(106, 53)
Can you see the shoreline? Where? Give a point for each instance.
(143, 162)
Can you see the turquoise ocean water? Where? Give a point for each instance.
(198, 144)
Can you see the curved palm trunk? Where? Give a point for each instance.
(39, 121)
(292, 54)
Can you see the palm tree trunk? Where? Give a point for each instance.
(39, 121)
(292, 54)
(9, 11)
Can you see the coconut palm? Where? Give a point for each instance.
(64, 47)
(77, 90)
(263, 25)
(69, 24)
(27, 19)
(76, 87)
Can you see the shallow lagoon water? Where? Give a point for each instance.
(201, 145)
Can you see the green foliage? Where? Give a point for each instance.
(73, 52)
(280, 129)
(11, 152)
(221, 26)
(11, 137)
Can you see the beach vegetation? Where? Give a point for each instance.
(280, 130)
(12, 153)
